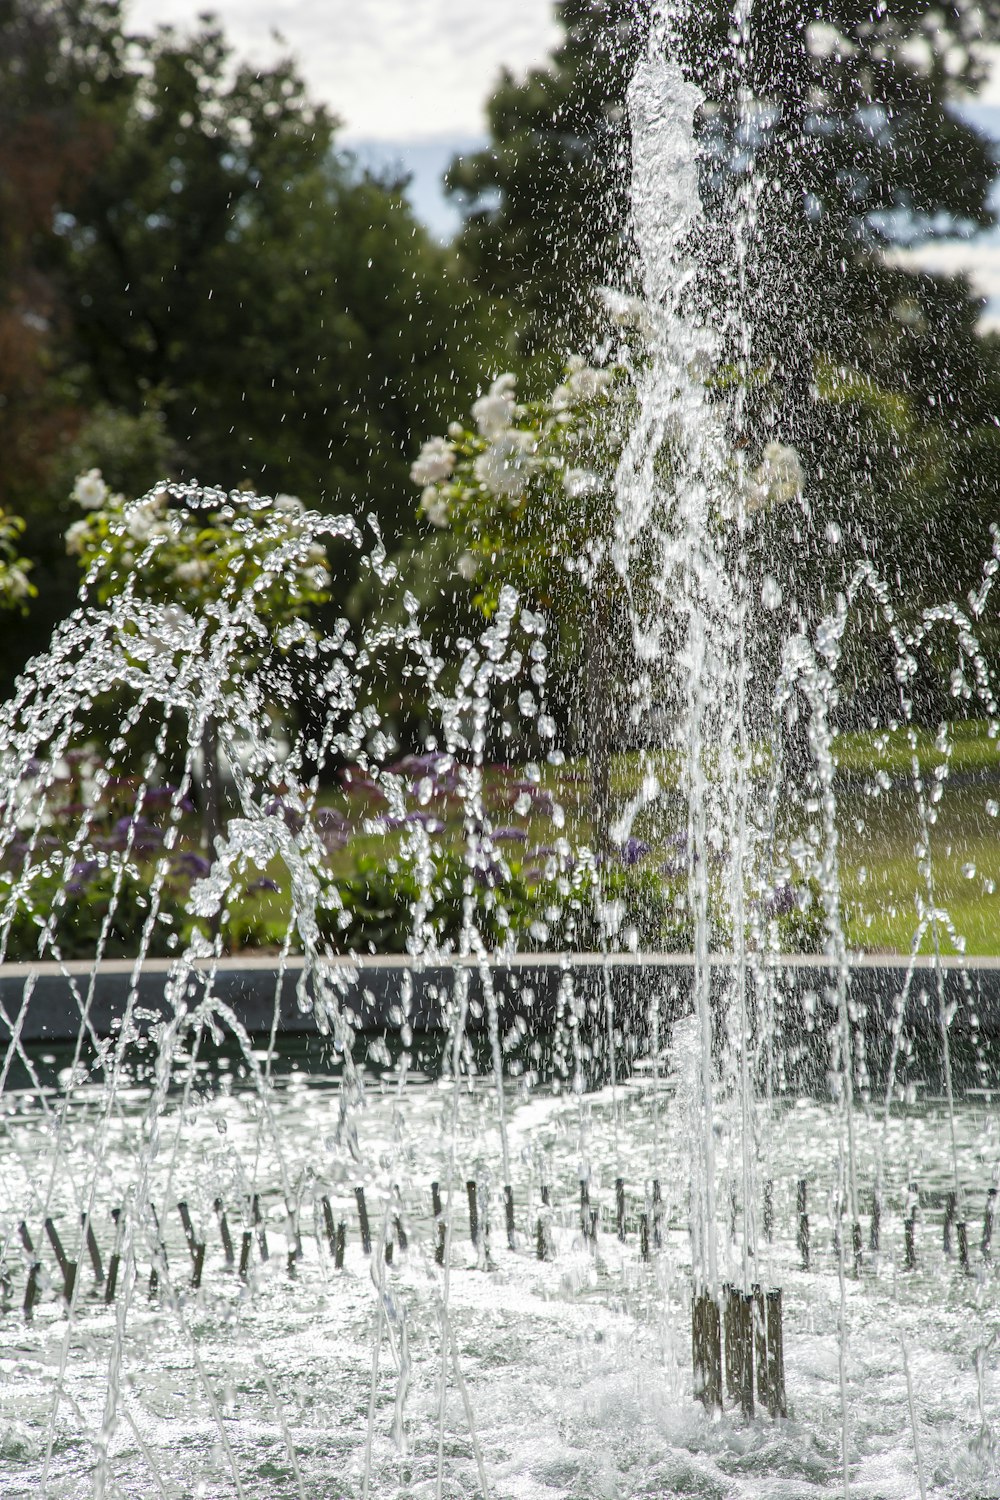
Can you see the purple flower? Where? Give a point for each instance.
(192, 865)
(355, 780)
(424, 820)
(489, 872)
(510, 836)
(431, 763)
(83, 872)
(145, 835)
(290, 816)
(632, 851)
(329, 820)
(782, 901)
(332, 827)
(264, 883)
(157, 796)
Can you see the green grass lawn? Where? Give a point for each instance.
(877, 823)
(970, 748)
(533, 809)
(880, 874)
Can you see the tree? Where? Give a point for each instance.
(827, 138)
(230, 298)
(546, 204)
(60, 63)
(844, 146)
(526, 493)
(289, 318)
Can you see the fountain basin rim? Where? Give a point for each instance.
(404, 962)
(44, 1001)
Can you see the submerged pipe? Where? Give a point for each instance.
(366, 1234)
(470, 1189)
(92, 1247)
(226, 1237)
(803, 1233)
(706, 1351)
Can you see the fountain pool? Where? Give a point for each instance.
(576, 1368)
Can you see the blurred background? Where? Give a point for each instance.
(280, 245)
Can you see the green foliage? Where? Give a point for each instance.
(546, 204)
(508, 884)
(830, 138)
(526, 491)
(103, 907)
(16, 587)
(132, 450)
(214, 290)
(287, 315)
(199, 548)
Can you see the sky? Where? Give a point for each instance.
(391, 69)
(409, 80)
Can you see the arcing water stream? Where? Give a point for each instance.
(467, 1268)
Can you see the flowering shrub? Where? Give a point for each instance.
(526, 489)
(196, 547)
(16, 587)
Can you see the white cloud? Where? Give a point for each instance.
(979, 258)
(391, 69)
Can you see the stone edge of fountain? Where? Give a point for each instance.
(43, 1001)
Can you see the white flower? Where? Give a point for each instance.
(455, 430)
(578, 483)
(14, 583)
(76, 538)
(506, 465)
(494, 412)
(434, 506)
(141, 521)
(316, 578)
(467, 567)
(624, 310)
(290, 504)
(436, 461)
(586, 384)
(192, 570)
(90, 490)
(582, 383)
(780, 478)
(316, 554)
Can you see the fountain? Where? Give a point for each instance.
(490, 1219)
